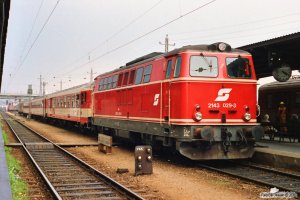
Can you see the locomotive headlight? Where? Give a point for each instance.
(222, 46)
(198, 116)
(247, 116)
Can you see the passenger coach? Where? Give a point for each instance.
(73, 105)
(200, 100)
(70, 106)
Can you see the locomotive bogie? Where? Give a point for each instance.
(214, 151)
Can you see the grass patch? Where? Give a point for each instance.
(18, 186)
(5, 137)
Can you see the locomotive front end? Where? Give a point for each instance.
(217, 119)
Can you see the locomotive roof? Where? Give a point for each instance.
(145, 57)
(292, 83)
(154, 55)
(202, 47)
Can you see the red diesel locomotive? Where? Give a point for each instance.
(200, 99)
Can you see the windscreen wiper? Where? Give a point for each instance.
(209, 65)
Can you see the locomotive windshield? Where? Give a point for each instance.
(238, 67)
(204, 66)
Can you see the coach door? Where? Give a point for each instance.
(82, 108)
(44, 107)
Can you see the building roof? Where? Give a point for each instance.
(4, 13)
(286, 47)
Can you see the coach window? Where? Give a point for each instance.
(77, 100)
(114, 81)
(68, 102)
(109, 82)
(138, 76)
(65, 101)
(238, 67)
(203, 66)
(83, 97)
(147, 73)
(104, 84)
(120, 80)
(169, 69)
(100, 85)
(73, 101)
(125, 78)
(177, 67)
(131, 77)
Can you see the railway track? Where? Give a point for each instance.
(262, 175)
(66, 176)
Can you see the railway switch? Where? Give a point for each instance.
(143, 160)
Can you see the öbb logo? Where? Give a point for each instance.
(156, 99)
(223, 94)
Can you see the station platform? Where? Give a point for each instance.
(5, 190)
(278, 154)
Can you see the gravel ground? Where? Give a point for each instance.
(170, 180)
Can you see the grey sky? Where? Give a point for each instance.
(83, 30)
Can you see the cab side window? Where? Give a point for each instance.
(169, 69)
(138, 76)
(177, 67)
(147, 73)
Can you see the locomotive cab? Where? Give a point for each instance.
(216, 94)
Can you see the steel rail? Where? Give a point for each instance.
(261, 175)
(34, 156)
(44, 177)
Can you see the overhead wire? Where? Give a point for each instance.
(240, 31)
(35, 40)
(39, 33)
(256, 34)
(141, 36)
(115, 34)
(32, 27)
(173, 21)
(239, 24)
